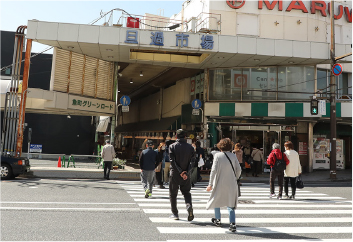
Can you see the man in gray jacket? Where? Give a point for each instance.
(108, 154)
(181, 153)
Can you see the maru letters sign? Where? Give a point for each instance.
(314, 7)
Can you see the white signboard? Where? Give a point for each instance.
(196, 111)
(322, 107)
(91, 104)
(125, 109)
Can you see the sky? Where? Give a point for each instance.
(15, 13)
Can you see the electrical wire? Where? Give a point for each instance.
(91, 23)
(174, 107)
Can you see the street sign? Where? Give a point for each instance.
(196, 103)
(36, 148)
(337, 69)
(125, 109)
(125, 100)
(322, 107)
(196, 112)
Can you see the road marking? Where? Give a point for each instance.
(140, 191)
(256, 230)
(243, 197)
(257, 220)
(200, 205)
(270, 240)
(241, 211)
(71, 209)
(68, 203)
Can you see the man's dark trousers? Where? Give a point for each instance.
(176, 181)
(107, 167)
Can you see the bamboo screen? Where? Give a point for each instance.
(83, 75)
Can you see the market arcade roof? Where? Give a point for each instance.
(177, 49)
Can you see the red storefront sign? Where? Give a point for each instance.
(133, 22)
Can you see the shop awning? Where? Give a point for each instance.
(165, 124)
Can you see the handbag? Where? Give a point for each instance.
(299, 183)
(201, 162)
(238, 180)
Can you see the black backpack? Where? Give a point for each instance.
(280, 164)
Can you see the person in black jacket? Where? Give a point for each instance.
(148, 163)
(180, 154)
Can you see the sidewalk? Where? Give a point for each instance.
(89, 170)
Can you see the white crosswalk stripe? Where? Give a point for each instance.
(321, 213)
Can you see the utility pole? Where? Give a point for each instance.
(333, 98)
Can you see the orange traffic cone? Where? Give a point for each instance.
(59, 162)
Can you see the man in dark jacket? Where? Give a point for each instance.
(180, 154)
(271, 160)
(148, 163)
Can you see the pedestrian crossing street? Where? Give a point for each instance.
(310, 215)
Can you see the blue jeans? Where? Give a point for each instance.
(231, 213)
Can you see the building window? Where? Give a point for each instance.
(322, 82)
(262, 83)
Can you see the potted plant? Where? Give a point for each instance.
(118, 163)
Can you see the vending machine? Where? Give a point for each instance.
(340, 159)
(322, 148)
(321, 153)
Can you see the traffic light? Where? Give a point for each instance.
(314, 107)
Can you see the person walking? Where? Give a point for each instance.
(167, 162)
(108, 154)
(258, 158)
(276, 154)
(239, 153)
(180, 154)
(292, 170)
(200, 153)
(223, 183)
(148, 163)
(160, 160)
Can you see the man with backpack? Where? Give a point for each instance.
(278, 162)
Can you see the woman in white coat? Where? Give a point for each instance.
(223, 183)
(292, 170)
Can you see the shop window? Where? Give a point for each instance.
(299, 83)
(263, 83)
(222, 85)
(342, 86)
(322, 85)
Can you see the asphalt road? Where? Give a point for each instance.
(101, 210)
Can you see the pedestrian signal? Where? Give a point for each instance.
(314, 107)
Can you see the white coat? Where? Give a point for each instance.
(108, 152)
(224, 181)
(293, 168)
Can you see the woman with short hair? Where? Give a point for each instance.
(292, 170)
(224, 175)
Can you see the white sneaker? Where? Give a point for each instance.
(272, 195)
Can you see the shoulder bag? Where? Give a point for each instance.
(238, 180)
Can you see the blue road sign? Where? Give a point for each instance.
(196, 104)
(337, 69)
(125, 100)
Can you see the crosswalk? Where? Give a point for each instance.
(310, 216)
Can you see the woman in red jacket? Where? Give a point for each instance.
(276, 153)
